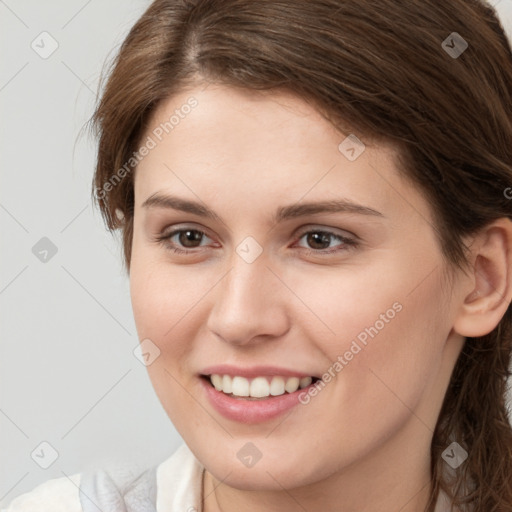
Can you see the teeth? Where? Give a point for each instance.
(240, 386)
(216, 381)
(259, 387)
(277, 386)
(305, 382)
(226, 384)
(292, 384)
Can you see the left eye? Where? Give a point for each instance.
(315, 238)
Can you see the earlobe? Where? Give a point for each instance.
(120, 216)
(489, 281)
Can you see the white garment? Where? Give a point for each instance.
(179, 489)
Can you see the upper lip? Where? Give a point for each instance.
(253, 371)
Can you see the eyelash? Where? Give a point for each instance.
(348, 243)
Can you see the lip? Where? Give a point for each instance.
(251, 411)
(254, 371)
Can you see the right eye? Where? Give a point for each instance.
(182, 237)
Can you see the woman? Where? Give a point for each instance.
(314, 199)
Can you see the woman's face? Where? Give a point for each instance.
(276, 288)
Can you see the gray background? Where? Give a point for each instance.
(68, 375)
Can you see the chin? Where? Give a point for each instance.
(270, 473)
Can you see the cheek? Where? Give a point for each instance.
(162, 302)
(160, 299)
(162, 294)
(382, 334)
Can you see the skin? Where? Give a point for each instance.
(363, 443)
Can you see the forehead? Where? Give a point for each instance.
(263, 148)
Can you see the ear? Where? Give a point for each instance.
(487, 289)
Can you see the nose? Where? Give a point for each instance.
(249, 304)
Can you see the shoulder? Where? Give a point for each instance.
(55, 495)
(178, 479)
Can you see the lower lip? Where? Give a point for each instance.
(251, 411)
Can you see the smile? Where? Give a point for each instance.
(254, 409)
(258, 387)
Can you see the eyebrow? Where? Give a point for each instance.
(282, 213)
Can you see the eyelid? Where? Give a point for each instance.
(176, 228)
(326, 229)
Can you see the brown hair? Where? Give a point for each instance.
(377, 68)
